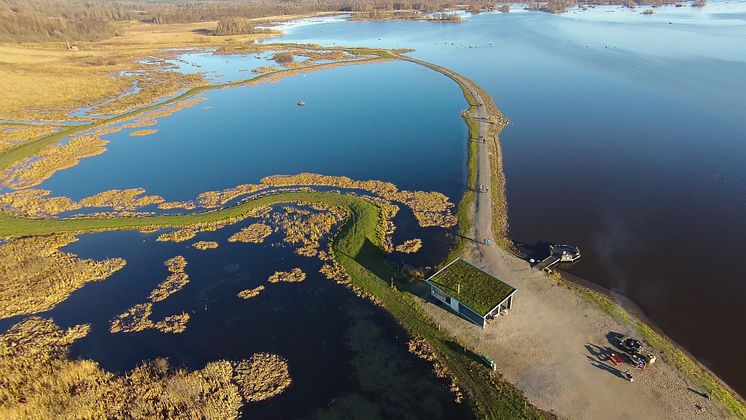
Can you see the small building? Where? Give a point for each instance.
(471, 292)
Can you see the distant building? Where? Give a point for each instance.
(471, 292)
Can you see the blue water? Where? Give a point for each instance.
(627, 138)
(393, 121)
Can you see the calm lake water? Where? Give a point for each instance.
(392, 121)
(627, 138)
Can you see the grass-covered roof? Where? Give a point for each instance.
(479, 291)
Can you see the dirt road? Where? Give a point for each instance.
(552, 344)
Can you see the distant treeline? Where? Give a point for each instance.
(90, 20)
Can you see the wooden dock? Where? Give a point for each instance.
(558, 254)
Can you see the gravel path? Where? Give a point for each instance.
(551, 344)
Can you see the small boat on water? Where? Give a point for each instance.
(301, 103)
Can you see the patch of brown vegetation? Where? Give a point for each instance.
(262, 377)
(51, 159)
(250, 293)
(429, 208)
(293, 276)
(15, 134)
(35, 203)
(137, 318)
(204, 245)
(179, 235)
(308, 227)
(128, 199)
(141, 133)
(174, 282)
(262, 70)
(254, 233)
(39, 380)
(213, 199)
(410, 246)
(422, 349)
(170, 205)
(35, 275)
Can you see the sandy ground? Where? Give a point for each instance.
(552, 344)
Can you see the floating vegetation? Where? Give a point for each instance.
(35, 203)
(35, 275)
(293, 276)
(204, 245)
(51, 159)
(250, 293)
(213, 199)
(429, 208)
(170, 205)
(179, 235)
(262, 377)
(129, 199)
(141, 133)
(254, 233)
(410, 246)
(308, 228)
(174, 282)
(78, 388)
(137, 318)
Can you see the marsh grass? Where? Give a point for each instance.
(36, 203)
(295, 275)
(35, 275)
(128, 199)
(254, 233)
(141, 133)
(38, 379)
(175, 281)
(205, 245)
(250, 293)
(409, 246)
(52, 159)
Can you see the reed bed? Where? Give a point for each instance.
(137, 318)
(174, 282)
(254, 233)
(141, 133)
(295, 275)
(128, 199)
(53, 158)
(410, 246)
(306, 227)
(250, 293)
(429, 208)
(171, 205)
(214, 199)
(15, 134)
(205, 245)
(35, 275)
(36, 203)
(179, 235)
(38, 379)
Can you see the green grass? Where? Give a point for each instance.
(668, 351)
(472, 286)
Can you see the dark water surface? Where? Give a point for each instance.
(627, 138)
(347, 358)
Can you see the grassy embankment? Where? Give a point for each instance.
(357, 247)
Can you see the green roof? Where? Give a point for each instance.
(479, 290)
